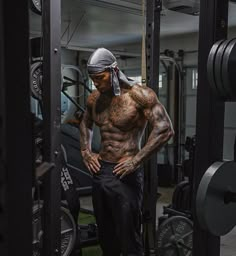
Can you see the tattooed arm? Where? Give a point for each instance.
(86, 134)
(161, 129)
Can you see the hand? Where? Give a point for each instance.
(91, 160)
(125, 168)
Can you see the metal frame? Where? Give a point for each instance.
(16, 172)
(210, 114)
(3, 210)
(52, 120)
(153, 13)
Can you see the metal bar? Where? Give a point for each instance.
(210, 114)
(3, 171)
(74, 102)
(16, 121)
(153, 12)
(52, 120)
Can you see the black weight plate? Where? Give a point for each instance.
(218, 67)
(68, 230)
(36, 73)
(176, 197)
(174, 237)
(211, 65)
(228, 70)
(36, 77)
(182, 197)
(36, 6)
(214, 215)
(185, 202)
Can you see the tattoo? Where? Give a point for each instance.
(143, 96)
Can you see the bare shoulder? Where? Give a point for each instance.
(92, 98)
(143, 95)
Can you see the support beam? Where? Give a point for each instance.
(210, 113)
(15, 131)
(153, 13)
(52, 120)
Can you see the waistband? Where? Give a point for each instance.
(107, 162)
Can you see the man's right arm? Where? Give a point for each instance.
(86, 134)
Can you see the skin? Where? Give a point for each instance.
(122, 121)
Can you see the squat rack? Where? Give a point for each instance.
(210, 114)
(17, 173)
(153, 14)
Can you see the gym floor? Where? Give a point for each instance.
(228, 242)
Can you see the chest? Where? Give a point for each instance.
(119, 111)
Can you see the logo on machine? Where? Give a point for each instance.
(66, 179)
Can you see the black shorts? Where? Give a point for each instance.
(117, 206)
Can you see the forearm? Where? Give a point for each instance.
(156, 140)
(86, 135)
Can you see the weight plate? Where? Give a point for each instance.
(211, 65)
(174, 237)
(228, 70)
(185, 199)
(218, 67)
(36, 6)
(176, 197)
(213, 214)
(68, 230)
(36, 76)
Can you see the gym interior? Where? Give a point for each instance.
(182, 49)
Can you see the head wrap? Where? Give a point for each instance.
(102, 60)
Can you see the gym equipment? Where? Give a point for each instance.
(181, 197)
(216, 197)
(73, 236)
(228, 68)
(36, 6)
(36, 75)
(221, 69)
(81, 176)
(68, 230)
(174, 237)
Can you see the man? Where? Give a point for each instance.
(121, 109)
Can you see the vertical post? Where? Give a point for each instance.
(210, 113)
(52, 120)
(16, 131)
(153, 11)
(3, 171)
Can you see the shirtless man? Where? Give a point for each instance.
(121, 109)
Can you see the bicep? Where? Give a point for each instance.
(157, 116)
(87, 120)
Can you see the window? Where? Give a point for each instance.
(194, 79)
(139, 80)
(160, 81)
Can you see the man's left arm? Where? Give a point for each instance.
(161, 132)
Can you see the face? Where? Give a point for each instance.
(102, 81)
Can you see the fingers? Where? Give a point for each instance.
(118, 168)
(93, 164)
(121, 170)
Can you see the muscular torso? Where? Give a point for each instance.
(121, 122)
